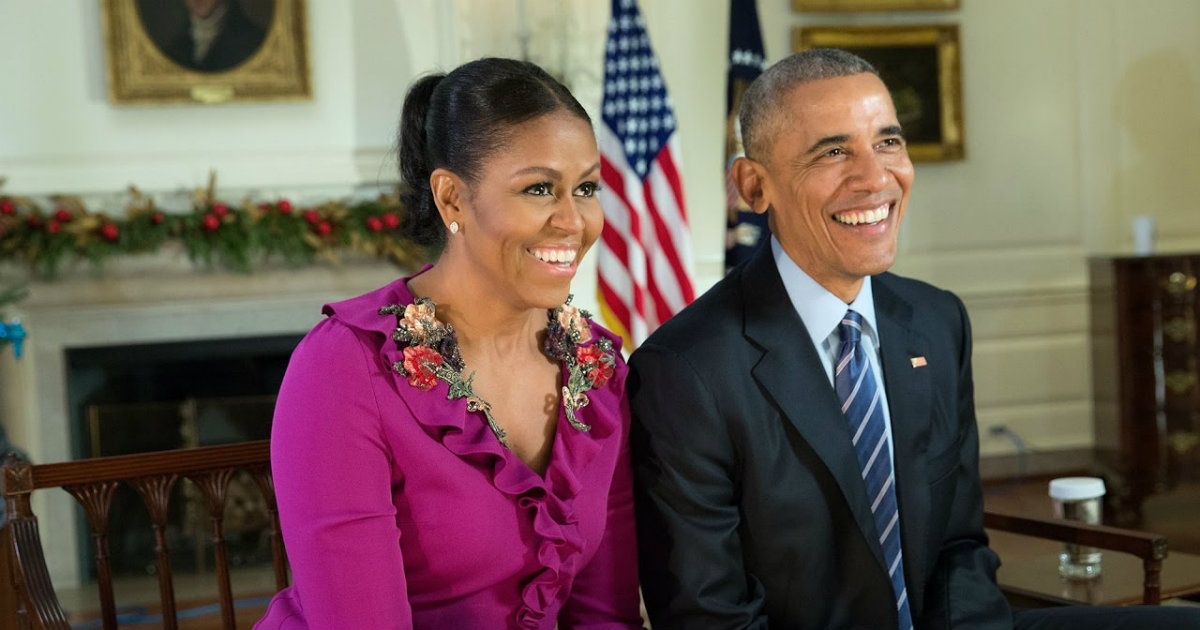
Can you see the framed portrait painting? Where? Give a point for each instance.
(921, 67)
(206, 51)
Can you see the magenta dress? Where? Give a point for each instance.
(401, 509)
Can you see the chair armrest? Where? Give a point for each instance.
(1145, 545)
(1151, 548)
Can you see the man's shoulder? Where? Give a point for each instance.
(919, 293)
(717, 314)
(935, 311)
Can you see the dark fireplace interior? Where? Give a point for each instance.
(153, 397)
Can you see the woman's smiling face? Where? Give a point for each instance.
(533, 211)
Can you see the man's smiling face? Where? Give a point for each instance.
(837, 178)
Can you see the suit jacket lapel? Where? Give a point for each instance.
(909, 403)
(791, 373)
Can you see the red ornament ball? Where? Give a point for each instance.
(110, 232)
(62, 215)
(391, 220)
(324, 228)
(7, 206)
(374, 224)
(54, 227)
(312, 216)
(211, 222)
(285, 206)
(220, 210)
(157, 218)
(35, 220)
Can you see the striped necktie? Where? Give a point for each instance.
(855, 383)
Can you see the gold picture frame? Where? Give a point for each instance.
(145, 66)
(846, 6)
(922, 68)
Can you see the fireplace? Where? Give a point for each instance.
(159, 308)
(153, 397)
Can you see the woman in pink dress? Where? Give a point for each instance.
(449, 451)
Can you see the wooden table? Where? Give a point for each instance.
(1029, 574)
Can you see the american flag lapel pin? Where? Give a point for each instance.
(918, 362)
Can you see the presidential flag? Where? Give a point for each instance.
(645, 250)
(743, 229)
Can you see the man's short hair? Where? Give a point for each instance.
(761, 112)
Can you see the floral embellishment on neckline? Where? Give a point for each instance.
(573, 321)
(593, 360)
(431, 354)
(421, 364)
(588, 366)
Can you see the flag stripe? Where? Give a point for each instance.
(682, 287)
(620, 238)
(613, 302)
(610, 315)
(665, 266)
(681, 236)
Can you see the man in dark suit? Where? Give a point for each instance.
(804, 434)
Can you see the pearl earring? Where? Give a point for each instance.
(454, 227)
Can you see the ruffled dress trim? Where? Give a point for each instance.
(467, 435)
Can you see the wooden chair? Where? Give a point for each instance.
(1151, 548)
(29, 600)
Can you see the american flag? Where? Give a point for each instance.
(645, 250)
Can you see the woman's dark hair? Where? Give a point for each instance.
(456, 120)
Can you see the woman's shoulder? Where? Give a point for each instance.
(344, 354)
(362, 313)
(353, 328)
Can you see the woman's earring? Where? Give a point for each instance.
(454, 227)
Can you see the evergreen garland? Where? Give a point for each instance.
(214, 234)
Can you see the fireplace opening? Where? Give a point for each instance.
(153, 397)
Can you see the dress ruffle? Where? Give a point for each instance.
(550, 500)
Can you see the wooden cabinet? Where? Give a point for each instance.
(1145, 312)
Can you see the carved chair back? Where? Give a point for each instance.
(30, 600)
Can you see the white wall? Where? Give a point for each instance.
(1079, 115)
(59, 133)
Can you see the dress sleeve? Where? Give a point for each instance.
(605, 593)
(333, 478)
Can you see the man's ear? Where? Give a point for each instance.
(750, 178)
(448, 194)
